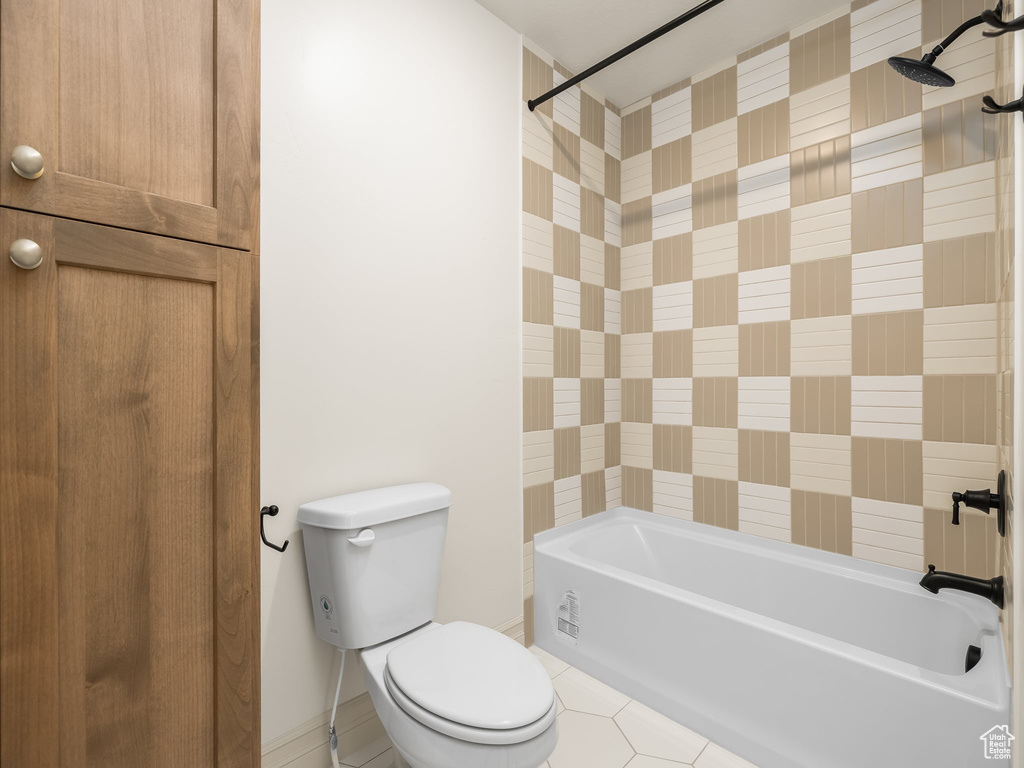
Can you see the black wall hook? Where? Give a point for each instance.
(992, 108)
(995, 19)
(272, 510)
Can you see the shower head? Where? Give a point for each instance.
(924, 72)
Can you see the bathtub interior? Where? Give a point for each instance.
(878, 609)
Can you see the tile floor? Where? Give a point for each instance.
(598, 727)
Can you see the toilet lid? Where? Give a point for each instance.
(472, 675)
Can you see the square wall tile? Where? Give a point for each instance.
(764, 510)
(673, 494)
(716, 502)
(822, 521)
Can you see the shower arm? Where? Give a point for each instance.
(693, 13)
(952, 36)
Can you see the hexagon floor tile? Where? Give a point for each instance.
(582, 693)
(589, 740)
(643, 761)
(654, 735)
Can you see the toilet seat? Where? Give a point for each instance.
(471, 683)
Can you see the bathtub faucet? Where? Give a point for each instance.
(991, 589)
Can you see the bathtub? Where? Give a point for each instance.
(787, 656)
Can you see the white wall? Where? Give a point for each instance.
(390, 299)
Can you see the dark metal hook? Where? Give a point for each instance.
(992, 108)
(995, 19)
(272, 510)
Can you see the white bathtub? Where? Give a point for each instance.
(787, 656)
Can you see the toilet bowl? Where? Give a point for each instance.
(455, 695)
(468, 697)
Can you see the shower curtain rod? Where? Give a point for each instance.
(694, 12)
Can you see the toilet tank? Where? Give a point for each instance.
(374, 561)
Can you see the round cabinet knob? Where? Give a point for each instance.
(27, 162)
(26, 254)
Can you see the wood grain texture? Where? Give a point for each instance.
(29, 693)
(147, 114)
(128, 540)
(134, 534)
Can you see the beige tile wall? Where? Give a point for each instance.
(807, 294)
(1004, 265)
(573, 308)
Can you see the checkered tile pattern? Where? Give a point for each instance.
(811, 261)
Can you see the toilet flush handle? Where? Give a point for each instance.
(365, 538)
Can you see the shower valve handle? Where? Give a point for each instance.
(981, 500)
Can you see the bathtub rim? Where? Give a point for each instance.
(988, 683)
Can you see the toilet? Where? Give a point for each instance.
(455, 695)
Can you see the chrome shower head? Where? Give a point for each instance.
(924, 72)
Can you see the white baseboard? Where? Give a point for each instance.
(306, 746)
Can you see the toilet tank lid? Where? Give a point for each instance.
(380, 505)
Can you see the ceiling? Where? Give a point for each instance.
(579, 33)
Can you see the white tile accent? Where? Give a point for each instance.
(960, 202)
(889, 533)
(764, 295)
(568, 500)
(567, 106)
(763, 79)
(958, 339)
(886, 154)
(820, 463)
(821, 346)
(591, 167)
(673, 401)
(883, 29)
(567, 302)
(821, 230)
(715, 149)
(971, 62)
(672, 212)
(612, 134)
(567, 403)
(886, 406)
(637, 266)
(673, 306)
(612, 400)
(765, 511)
(566, 203)
(673, 494)
(637, 445)
(889, 280)
(612, 222)
(763, 187)
(764, 403)
(591, 355)
(537, 134)
(820, 113)
(591, 448)
(716, 351)
(613, 487)
(591, 260)
(716, 250)
(670, 117)
(715, 452)
(612, 311)
(636, 177)
(537, 243)
(952, 467)
(637, 356)
(538, 458)
(538, 350)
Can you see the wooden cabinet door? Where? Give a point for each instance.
(128, 525)
(146, 113)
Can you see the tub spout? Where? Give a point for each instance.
(991, 589)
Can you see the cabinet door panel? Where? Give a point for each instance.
(145, 113)
(128, 541)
